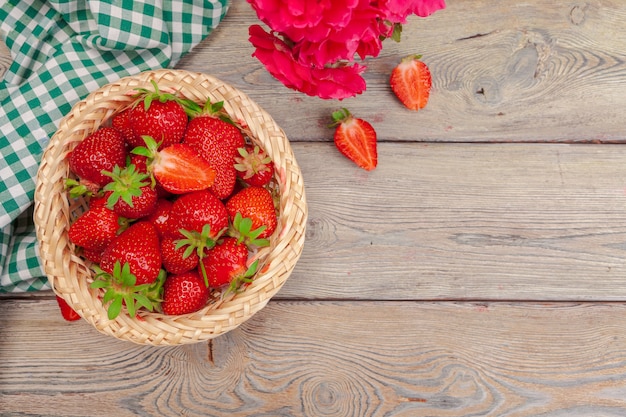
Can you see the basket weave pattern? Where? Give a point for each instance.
(70, 276)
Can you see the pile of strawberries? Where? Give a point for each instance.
(179, 202)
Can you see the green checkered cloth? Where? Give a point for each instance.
(62, 50)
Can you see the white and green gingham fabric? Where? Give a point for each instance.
(61, 50)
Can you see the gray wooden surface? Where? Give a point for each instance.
(478, 271)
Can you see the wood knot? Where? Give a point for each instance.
(577, 14)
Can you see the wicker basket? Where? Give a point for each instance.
(70, 276)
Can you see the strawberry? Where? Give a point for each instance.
(160, 215)
(95, 229)
(225, 262)
(141, 164)
(101, 151)
(93, 255)
(254, 166)
(411, 81)
(178, 258)
(194, 211)
(129, 193)
(355, 138)
(67, 312)
(139, 247)
(121, 121)
(217, 141)
(257, 204)
(158, 115)
(121, 288)
(184, 293)
(177, 168)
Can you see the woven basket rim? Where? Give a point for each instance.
(69, 275)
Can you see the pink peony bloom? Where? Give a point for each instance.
(397, 11)
(312, 42)
(312, 21)
(334, 82)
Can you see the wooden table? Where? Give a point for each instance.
(478, 271)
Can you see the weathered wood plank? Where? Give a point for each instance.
(531, 71)
(464, 221)
(324, 358)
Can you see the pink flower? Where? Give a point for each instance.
(312, 44)
(329, 82)
(312, 21)
(397, 11)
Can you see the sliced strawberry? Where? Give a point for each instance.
(356, 139)
(184, 293)
(177, 168)
(67, 312)
(411, 81)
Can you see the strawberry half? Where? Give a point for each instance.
(356, 139)
(177, 168)
(411, 81)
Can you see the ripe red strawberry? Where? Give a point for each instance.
(95, 229)
(225, 261)
(141, 164)
(67, 312)
(139, 247)
(102, 150)
(355, 138)
(193, 211)
(257, 204)
(129, 193)
(178, 258)
(160, 215)
(217, 142)
(121, 121)
(177, 168)
(93, 255)
(184, 293)
(158, 115)
(254, 166)
(411, 81)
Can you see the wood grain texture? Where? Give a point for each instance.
(464, 221)
(523, 71)
(325, 358)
